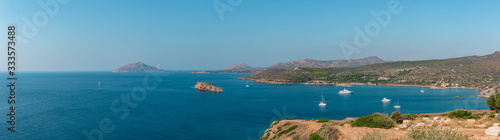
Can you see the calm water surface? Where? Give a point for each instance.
(60, 105)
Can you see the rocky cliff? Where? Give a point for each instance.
(204, 86)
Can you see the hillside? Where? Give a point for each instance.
(138, 67)
(326, 64)
(238, 66)
(244, 68)
(473, 72)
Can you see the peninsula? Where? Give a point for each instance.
(476, 72)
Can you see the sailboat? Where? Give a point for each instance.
(99, 84)
(247, 85)
(397, 105)
(422, 90)
(322, 102)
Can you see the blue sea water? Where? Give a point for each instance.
(61, 105)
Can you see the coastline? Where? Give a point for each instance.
(320, 82)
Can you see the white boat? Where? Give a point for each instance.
(345, 91)
(397, 105)
(99, 84)
(247, 85)
(386, 100)
(422, 90)
(322, 102)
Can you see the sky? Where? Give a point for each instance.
(93, 35)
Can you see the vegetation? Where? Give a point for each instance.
(322, 120)
(275, 123)
(329, 133)
(376, 120)
(315, 136)
(435, 134)
(375, 135)
(397, 117)
(460, 113)
(421, 134)
(285, 132)
(289, 119)
(492, 102)
(473, 71)
(286, 124)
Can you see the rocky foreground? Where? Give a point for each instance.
(342, 129)
(205, 86)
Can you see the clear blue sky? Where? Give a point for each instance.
(94, 35)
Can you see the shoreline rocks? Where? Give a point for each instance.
(205, 86)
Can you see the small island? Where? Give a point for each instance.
(138, 67)
(205, 86)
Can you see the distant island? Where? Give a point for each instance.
(236, 68)
(476, 72)
(139, 67)
(244, 68)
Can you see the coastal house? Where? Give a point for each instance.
(443, 85)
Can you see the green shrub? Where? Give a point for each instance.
(315, 136)
(322, 120)
(285, 132)
(459, 113)
(289, 119)
(435, 134)
(329, 133)
(397, 117)
(424, 115)
(409, 116)
(376, 120)
(286, 124)
(342, 124)
(491, 102)
(291, 134)
(497, 102)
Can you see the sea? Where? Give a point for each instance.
(106, 105)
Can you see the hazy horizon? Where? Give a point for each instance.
(193, 35)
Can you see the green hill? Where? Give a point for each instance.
(471, 71)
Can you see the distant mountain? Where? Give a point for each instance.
(138, 67)
(327, 64)
(238, 66)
